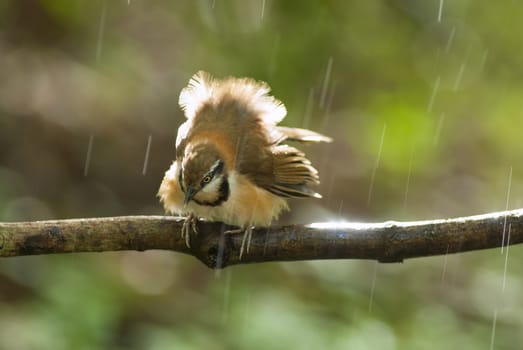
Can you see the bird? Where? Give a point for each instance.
(232, 163)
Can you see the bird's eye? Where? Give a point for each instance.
(206, 179)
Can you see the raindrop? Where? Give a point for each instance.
(325, 123)
(262, 10)
(451, 39)
(440, 11)
(101, 30)
(441, 119)
(326, 81)
(376, 164)
(373, 286)
(433, 95)
(493, 333)
(340, 208)
(326, 117)
(308, 109)
(147, 150)
(457, 82)
(88, 155)
(219, 255)
(506, 259)
(506, 208)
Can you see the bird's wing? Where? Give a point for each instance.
(289, 174)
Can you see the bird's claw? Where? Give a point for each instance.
(189, 226)
(246, 240)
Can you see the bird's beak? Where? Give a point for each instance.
(188, 195)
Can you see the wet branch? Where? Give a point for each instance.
(386, 242)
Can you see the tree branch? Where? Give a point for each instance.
(386, 242)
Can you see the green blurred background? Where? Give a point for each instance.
(423, 98)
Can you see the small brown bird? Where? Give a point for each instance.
(231, 165)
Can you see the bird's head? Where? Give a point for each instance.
(203, 176)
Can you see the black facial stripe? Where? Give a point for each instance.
(217, 167)
(223, 195)
(224, 190)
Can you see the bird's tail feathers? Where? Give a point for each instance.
(300, 135)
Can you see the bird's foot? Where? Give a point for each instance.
(246, 240)
(189, 227)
